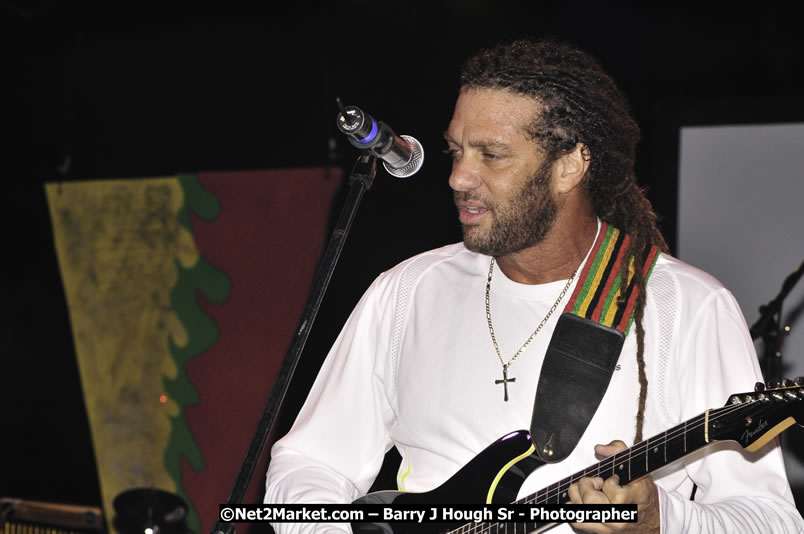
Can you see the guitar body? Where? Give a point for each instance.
(493, 476)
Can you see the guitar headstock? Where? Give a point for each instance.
(752, 419)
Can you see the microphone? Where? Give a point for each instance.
(402, 155)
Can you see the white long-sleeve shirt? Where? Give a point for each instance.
(415, 368)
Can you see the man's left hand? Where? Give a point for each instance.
(642, 492)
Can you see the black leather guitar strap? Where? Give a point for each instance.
(585, 346)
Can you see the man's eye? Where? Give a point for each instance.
(491, 155)
(451, 152)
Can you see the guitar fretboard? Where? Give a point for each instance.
(637, 461)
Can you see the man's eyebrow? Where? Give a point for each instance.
(479, 143)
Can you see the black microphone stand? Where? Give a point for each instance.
(768, 327)
(361, 179)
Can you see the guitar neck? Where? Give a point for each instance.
(637, 461)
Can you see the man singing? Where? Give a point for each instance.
(444, 352)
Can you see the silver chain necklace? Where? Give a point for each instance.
(505, 380)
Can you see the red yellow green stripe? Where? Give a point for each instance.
(599, 267)
(597, 294)
(584, 285)
(612, 288)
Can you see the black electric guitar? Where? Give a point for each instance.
(495, 475)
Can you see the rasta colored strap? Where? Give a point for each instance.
(586, 345)
(598, 289)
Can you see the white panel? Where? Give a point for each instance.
(741, 218)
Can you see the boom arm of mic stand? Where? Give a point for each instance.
(361, 179)
(768, 328)
(767, 311)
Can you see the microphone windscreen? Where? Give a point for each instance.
(413, 165)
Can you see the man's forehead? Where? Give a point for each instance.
(491, 117)
(499, 96)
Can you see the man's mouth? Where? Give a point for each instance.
(471, 213)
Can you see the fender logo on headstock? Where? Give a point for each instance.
(748, 435)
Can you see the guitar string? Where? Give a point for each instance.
(628, 455)
(634, 451)
(550, 492)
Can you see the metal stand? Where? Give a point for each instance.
(769, 328)
(361, 179)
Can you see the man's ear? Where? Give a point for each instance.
(571, 168)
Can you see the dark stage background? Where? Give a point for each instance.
(91, 91)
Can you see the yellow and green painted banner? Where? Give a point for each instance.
(183, 293)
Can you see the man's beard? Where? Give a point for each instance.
(517, 223)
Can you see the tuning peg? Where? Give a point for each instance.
(787, 383)
(799, 381)
(773, 384)
(759, 386)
